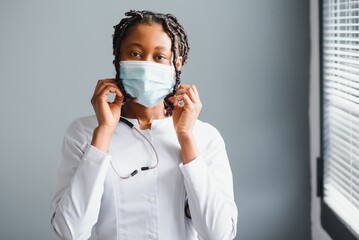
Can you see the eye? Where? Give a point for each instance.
(160, 57)
(135, 54)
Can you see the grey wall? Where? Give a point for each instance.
(249, 59)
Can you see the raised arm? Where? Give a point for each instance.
(83, 166)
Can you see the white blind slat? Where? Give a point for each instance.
(341, 84)
(342, 104)
(344, 160)
(340, 94)
(341, 59)
(332, 4)
(348, 46)
(334, 65)
(343, 76)
(336, 31)
(334, 52)
(341, 39)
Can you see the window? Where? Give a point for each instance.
(339, 162)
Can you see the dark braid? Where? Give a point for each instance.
(177, 34)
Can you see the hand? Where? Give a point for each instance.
(184, 117)
(107, 113)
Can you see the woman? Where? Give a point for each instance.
(144, 167)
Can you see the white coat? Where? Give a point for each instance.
(89, 193)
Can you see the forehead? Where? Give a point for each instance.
(149, 35)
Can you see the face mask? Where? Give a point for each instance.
(149, 82)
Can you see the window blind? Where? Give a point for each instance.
(341, 109)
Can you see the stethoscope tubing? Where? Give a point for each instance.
(129, 124)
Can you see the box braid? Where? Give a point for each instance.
(177, 34)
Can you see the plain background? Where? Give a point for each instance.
(249, 60)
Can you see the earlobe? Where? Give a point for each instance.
(179, 63)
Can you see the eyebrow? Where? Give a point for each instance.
(135, 45)
(140, 46)
(162, 48)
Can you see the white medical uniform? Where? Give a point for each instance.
(89, 194)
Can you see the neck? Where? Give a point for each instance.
(144, 115)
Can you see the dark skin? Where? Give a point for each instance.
(146, 42)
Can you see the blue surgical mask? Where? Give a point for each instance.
(149, 82)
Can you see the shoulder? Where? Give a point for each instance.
(206, 134)
(202, 126)
(82, 127)
(84, 122)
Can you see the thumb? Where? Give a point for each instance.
(116, 110)
(118, 101)
(118, 98)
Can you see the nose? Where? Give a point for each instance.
(148, 58)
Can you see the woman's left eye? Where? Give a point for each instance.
(160, 57)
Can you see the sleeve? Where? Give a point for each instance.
(79, 186)
(209, 185)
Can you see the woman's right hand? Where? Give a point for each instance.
(107, 113)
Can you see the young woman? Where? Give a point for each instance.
(144, 166)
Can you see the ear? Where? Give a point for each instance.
(179, 63)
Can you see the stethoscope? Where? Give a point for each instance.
(128, 123)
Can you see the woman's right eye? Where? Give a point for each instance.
(135, 54)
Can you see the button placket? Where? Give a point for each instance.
(151, 195)
(152, 236)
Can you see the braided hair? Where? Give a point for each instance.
(177, 34)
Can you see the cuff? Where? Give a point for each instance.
(193, 169)
(94, 155)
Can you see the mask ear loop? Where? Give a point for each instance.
(128, 123)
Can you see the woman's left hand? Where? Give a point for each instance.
(185, 115)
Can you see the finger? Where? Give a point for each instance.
(119, 98)
(185, 89)
(183, 101)
(187, 101)
(193, 96)
(175, 101)
(179, 97)
(103, 94)
(172, 99)
(195, 90)
(104, 86)
(184, 86)
(181, 91)
(101, 81)
(101, 84)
